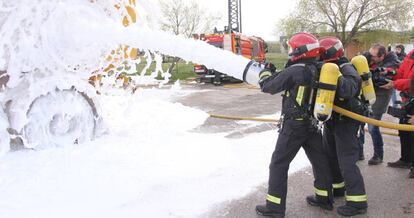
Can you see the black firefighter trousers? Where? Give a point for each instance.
(340, 139)
(294, 135)
(407, 144)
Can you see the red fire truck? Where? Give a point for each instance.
(248, 46)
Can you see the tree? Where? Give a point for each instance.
(183, 18)
(345, 18)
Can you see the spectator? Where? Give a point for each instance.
(379, 57)
(402, 82)
(400, 52)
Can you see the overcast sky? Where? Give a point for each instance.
(259, 17)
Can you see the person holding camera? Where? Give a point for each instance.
(379, 59)
(402, 81)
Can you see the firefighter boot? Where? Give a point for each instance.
(347, 210)
(338, 192)
(411, 175)
(322, 202)
(265, 211)
(338, 189)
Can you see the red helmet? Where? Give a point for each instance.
(303, 45)
(332, 48)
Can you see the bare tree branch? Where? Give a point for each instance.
(185, 19)
(345, 18)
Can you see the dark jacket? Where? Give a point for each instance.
(350, 82)
(297, 76)
(383, 96)
(348, 89)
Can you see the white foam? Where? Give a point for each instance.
(43, 39)
(74, 36)
(151, 163)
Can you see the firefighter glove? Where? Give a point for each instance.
(264, 74)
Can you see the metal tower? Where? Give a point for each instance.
(235, 15)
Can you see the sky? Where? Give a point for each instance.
(259, 17)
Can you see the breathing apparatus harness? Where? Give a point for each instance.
(306, 96)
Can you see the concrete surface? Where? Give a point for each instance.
(232, 101)
(390, 191)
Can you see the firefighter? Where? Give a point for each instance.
(340, 134)
(298, 128)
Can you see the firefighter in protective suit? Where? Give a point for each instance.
(340, 134)
(298, 127)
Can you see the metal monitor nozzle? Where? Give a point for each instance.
(251, 73)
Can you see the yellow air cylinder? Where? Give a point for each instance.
(361, 65)
(325, 96)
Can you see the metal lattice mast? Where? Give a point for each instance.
(234, 15)
(240, 16)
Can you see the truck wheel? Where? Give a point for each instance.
(199, 80)
(60, 117)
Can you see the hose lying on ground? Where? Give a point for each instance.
(265, 120)
(385, 132)
(338, 110)
(388, 125)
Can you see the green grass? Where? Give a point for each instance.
(278, 59)
(181, 71)
(184, 71)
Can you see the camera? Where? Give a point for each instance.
(405, 110)
(398, 113)
(380, 80)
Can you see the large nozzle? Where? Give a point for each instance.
(251, 73)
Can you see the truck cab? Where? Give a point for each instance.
(247, 46)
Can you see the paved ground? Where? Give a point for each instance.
(390, 192)
(233, 101)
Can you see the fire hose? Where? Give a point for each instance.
(388, 125)
(328, 79)
(337, 109)
(374, 122)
